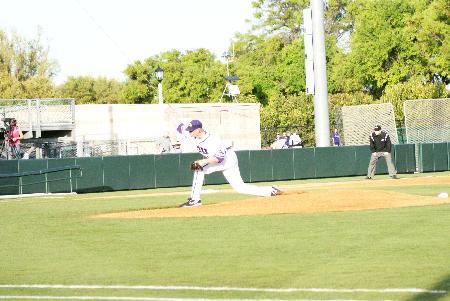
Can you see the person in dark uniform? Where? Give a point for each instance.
(336, 138)
(380, 146)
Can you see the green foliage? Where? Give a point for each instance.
(397, 50)
(136, 89)
(272, 70)
(108, 91)
(22, 59)
(37, 87)
(135, 92)
(199, 77)
(347, 99)
(81, 88)
(430, 29)
(86, 89)
(256, 66)
(25, 69)
(280, 16)
(270, 67)
(395, 40)
(191, 77)
(412, 89)
(288, 111)
(32, 87)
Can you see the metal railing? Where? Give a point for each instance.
(40, 114)
(55, 148)
(20, 175)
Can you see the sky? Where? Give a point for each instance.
(101, 37)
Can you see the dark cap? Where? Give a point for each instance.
(377, 128)
(193, 125)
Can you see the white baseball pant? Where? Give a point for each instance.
(230, 169)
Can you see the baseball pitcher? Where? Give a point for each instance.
(217, 156)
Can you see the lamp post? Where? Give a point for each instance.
(159, 73)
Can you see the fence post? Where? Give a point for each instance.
(30, 117)
(38, 117)
(72, 108)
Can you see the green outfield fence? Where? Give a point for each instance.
(172, 170)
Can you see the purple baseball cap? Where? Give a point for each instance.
(193, 125)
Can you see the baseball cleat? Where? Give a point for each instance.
(275, 191)
(191, 203)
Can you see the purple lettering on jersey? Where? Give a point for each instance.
(202, 150)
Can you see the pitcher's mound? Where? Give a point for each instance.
(295, 201)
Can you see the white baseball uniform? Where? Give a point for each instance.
(212, 146)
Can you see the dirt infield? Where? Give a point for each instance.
(309, 198)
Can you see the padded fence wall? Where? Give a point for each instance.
(172, 170)
(434, 156)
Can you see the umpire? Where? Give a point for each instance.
(380, 146)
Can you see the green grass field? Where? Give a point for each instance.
(386, 254)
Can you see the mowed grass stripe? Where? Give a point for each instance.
(242, 289)
(158, 299)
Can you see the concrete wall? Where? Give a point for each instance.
(237, 122)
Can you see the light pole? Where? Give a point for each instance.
(159, 73)
(321, 117)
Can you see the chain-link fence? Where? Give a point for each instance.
(52, 148)
(427, 120)
(355, 123)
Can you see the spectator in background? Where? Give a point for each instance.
(14, 136)
(287, 136)
(336, 138)
(295, 140)
(279, 142)
(164, 144)
(176, 147)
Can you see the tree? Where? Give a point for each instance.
(23, 59)
(412, 89)
(394, 41)
(108, 91)
(280, 17)
(81, 88)
(193, 76)
(256, 65)
(25, 68)
(137, 87)
(86, 89)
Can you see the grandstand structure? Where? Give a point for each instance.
(57, 128)
(38, 115)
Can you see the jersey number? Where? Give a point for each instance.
(202, 150)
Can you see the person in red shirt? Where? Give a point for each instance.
(14, 135)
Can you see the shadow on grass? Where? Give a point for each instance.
(443, 285)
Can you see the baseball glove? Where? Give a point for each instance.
(196, 166)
